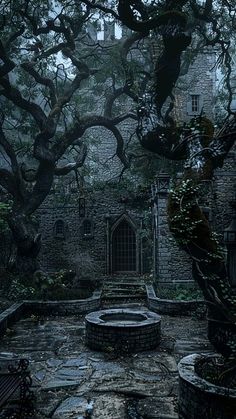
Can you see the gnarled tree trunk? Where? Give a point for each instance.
(27, 241)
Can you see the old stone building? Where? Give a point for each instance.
(125, 231)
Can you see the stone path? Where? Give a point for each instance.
(71, 381)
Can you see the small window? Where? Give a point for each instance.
(87, 228)
(194, 104)
(59, 229)
(195, 101)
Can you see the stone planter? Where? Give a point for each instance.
(172, 307)
(219, 334)
(48, 308)
(200, 399)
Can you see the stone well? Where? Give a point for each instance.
(123, 330)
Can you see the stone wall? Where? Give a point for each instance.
(224, 190)
(172, 307)
(200, 80)
(172, 265)
(102, 208)
(63, 307)
(10, 316)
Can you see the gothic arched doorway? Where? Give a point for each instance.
(124, 248)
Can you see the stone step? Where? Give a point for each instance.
(124, 284)
(123, 292)
(122, 287)
(118, 292)
(123, 302)
(130, 279)
(124, 296)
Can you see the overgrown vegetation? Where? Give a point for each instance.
(43, 286)
(179, 292)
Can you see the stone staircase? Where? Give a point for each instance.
(120, 290)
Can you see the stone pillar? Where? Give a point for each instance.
(172, 265)
(163, 253)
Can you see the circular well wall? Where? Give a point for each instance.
(124, 330)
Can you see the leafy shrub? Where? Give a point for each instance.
(18, 291)
(53, 286)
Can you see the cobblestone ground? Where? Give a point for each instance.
(71, 381)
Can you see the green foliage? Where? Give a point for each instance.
(180, 292)
(49, 286)
(19, 291)
(183, 199)
(188, 223)
(43, 286)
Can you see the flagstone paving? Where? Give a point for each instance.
(71, 381)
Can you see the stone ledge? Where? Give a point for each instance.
(171, 307)
(61, 307)
(64, 307)
(10, 316)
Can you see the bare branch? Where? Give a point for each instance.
(97, 6)
(79, 161)
(14, 95)
(28, 67)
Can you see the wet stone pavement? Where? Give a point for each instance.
(71, 381)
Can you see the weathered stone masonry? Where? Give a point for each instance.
(172, 265)
(102, 209)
